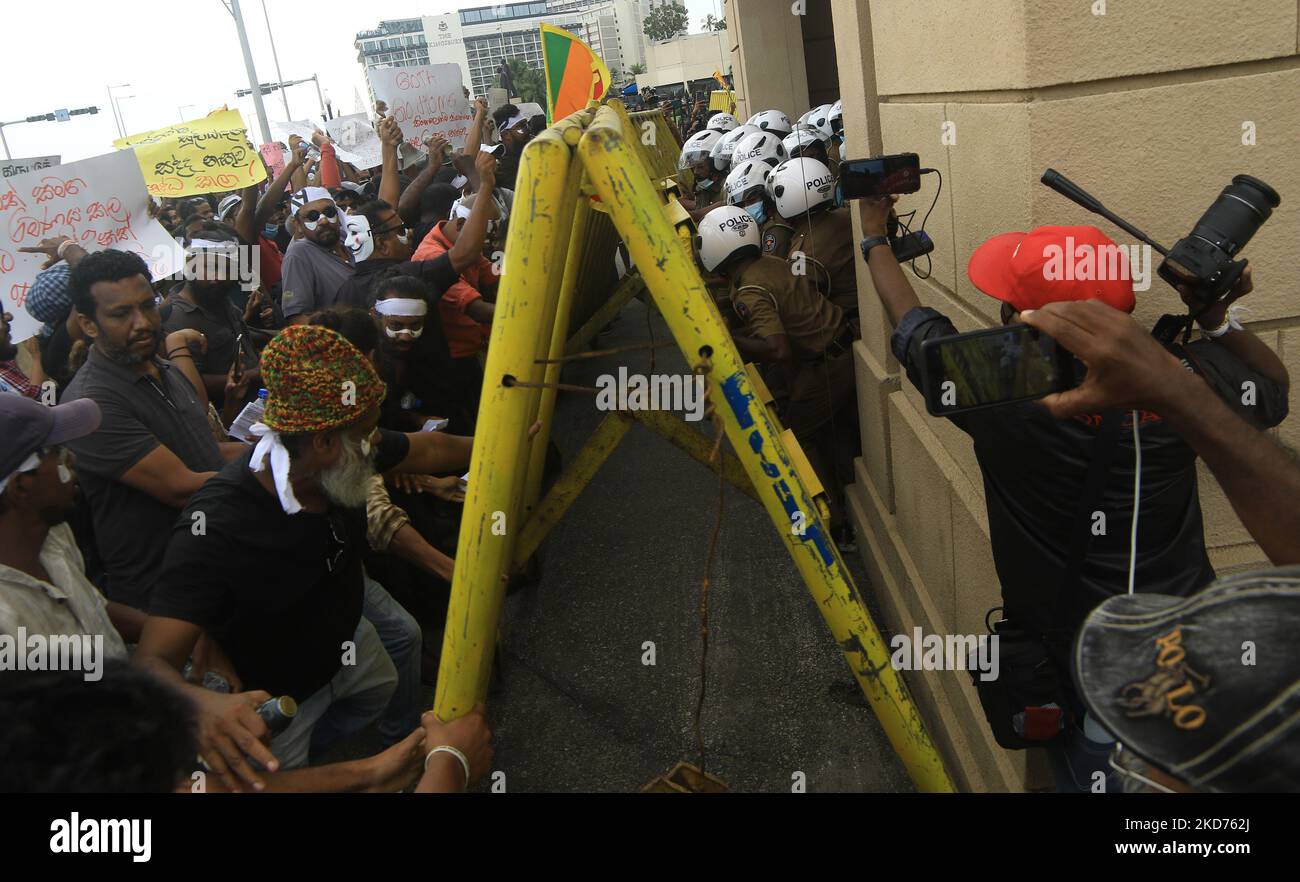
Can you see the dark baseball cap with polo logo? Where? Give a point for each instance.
(26, 426)
(1207, 687)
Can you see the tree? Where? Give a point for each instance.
(665, 22)
(637, 69)
(529, 83)
(709, 23)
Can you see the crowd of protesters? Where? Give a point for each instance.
(257, 485)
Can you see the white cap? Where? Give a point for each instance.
(308, 194)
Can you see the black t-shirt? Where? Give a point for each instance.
(279, 593)
(1035, 468)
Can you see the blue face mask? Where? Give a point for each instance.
(758, 211)
(270, 230)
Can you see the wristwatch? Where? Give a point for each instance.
(871, 242)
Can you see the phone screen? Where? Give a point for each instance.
(992, 367)
(881, 175)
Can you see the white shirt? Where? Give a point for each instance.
(72, 605)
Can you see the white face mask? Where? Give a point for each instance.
(404, 333)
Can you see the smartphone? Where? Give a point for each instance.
(880, 175)
(993, 367)
(237, 367)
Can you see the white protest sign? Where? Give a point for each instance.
(100, 202)
(426, 100)
(11, 167)
(303, 128)
(355, 140)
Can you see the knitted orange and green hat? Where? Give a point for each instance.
(316, 380)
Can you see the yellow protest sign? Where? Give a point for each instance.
(207, 155)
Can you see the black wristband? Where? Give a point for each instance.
(871, 242)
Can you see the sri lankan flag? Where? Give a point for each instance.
(574, 74)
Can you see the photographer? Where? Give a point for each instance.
(1053, 564)
(1115, 663)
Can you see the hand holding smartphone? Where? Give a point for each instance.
(880, 176)
(993, 367)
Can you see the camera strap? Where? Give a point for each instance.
(1104, 446)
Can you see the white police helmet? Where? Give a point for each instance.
(697, 147)
(836, 117)
(820, 119)
(759, 145)
(772, 121)
(802, 137)
(722, 122)
(724, 231)
(746, 178)
(724, 146)
(799, 185)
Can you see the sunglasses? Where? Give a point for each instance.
(329, 213)
(395, 228)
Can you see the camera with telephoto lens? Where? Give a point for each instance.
(1203, 262)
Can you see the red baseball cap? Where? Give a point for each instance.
(1052, 264)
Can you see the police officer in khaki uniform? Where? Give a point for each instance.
(696, 155)
(786, 322)
(803, 193)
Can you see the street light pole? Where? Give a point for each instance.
(319, 97)
(253, 83)
(283, 92)
(5, 141)
(120, 115)
(117, 120)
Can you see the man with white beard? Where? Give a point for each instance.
(267, 558)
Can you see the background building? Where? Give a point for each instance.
(480, 38)
(1153, 107)
(690, 58)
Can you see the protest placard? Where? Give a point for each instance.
(207, 155)
(425, 100)
(303, 128)
(100, 202)
(355, 140)
(273, 153)
(11, 167)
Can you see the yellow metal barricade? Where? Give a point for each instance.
(536, 288)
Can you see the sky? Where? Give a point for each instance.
(181, 59)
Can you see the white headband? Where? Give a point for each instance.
(402, 306)
(32, 461)
(269, 443)
(514, 121)
(308, 194)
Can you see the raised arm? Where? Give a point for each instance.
(275, 192)
(892, 287)
(390, 184)
(469, 244)
(408, 205)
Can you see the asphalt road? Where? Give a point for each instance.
(573, 706)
